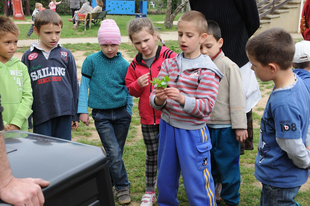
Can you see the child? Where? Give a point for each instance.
(15, 87)
(54, 81)
(38, 7)
(301, 63)
(186, 104)
(282, 161)
(145, 67)
(103, 73)
(228, 124)
(53, 4)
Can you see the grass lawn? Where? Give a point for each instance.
(134, 154)
(121, 20)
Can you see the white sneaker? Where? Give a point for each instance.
(148, 199)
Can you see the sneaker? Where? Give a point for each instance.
(148, 199)
(123, 196)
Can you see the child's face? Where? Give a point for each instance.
(49, 36)
(190, 39)
(8, 46)
(262, 72)
(110, 50)
(211, 46)
(145, 43)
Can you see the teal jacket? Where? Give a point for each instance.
(16, 93)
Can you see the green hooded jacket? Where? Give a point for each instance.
(16, 93)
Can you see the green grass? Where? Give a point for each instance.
(121, 20)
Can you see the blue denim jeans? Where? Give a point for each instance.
(276, 196)
(112, 126)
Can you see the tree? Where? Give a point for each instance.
(170, 17)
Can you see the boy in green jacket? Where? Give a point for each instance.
(15, 87)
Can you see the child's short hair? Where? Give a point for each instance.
(47, 16)
(195, 17)
(272, 46)
(137, 24)
(38, 5)
(301, 58)
(7, 26)
(214, 29)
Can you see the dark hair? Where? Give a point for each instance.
(47, 16)
(272, 46)
(8, 26)
(301, 65)
(197, 18)
(214, 29)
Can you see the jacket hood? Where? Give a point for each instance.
(203, 62)
(11, 62)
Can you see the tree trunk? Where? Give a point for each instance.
(5, 7)
(170, 17)
(167, 23)
(27, 8)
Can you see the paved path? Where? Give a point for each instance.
(172, 35)
(125, 39)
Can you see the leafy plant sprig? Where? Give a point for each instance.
(161, 83)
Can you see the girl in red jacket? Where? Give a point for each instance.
(144, 68)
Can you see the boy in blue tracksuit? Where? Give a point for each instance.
(53, 77)
(282, 161)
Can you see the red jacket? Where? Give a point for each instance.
(137, 68)
(305, 21)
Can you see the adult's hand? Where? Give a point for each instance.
(24, 192)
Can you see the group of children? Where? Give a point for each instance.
(194, 126)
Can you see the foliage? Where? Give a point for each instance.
(161, 83)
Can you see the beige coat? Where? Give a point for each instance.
(230, 103)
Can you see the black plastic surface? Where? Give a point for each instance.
(78, 173)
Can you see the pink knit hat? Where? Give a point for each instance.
(109, 33)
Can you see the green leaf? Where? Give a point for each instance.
(161, 83)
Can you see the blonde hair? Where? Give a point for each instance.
(197, 18)
(38, 5)
(7, 26)
(47, 16)
(137, 24)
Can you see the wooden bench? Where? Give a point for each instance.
(96, 18)
(84, 19)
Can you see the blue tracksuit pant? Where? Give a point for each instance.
(225, 155)
(186, 151)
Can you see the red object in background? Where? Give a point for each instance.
(18, 13)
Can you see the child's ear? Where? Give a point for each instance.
(35, 30)
(221, 41)
(203, 37)
(273, 67)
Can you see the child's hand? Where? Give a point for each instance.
(174, 94)
(7, 127)
(241, 134)
(308, 147)
(160, 96)
(75, 125)
(14, 127)
(84, 118)
(143, 80)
